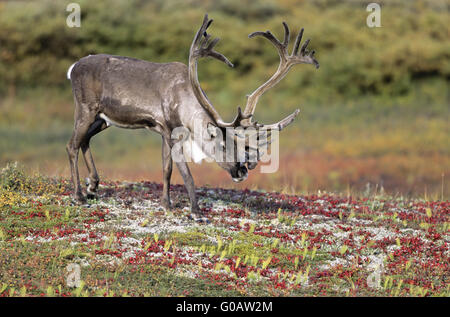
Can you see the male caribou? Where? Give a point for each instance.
(130, 93)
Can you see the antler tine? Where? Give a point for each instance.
(202, 31)
(281, 47)
(303, 48)
(268, 35)
(280, 125)
(297, 42)
(287, 35)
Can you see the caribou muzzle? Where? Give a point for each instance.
(239, 174)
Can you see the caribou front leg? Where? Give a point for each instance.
(190, 187)
(167, 173)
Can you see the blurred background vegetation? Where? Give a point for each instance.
(375, 115)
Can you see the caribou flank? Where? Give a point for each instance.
(131, 93)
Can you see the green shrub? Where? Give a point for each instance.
(13, 178)
(36, 46)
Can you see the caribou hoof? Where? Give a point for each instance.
(165, 203)
(198, 217)
(79, 199)
(91, 195)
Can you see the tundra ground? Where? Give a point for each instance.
(254, 243)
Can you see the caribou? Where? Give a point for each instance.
(136, 94)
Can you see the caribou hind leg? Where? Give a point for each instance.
(84, 128)
(73, 148)
(93, 179)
